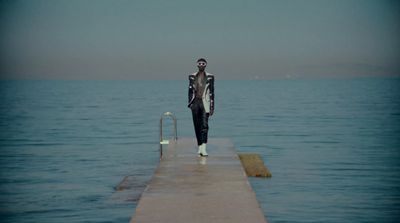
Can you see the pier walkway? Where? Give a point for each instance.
(186, 188)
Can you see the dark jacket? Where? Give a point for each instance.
(208, 95)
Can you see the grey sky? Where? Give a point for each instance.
(82, 39)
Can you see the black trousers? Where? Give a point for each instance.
(200, 121)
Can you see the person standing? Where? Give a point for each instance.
(201, 102)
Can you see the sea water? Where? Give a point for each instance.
(332, 145)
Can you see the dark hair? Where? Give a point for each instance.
(202, 59)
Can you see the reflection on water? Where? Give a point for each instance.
(202, 160)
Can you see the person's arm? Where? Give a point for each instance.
(212, 95)
(190, 90)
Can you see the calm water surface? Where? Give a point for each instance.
(333, 146)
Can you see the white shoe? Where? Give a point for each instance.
(199, 151)
(203, 150)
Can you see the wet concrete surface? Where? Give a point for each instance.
(187, 188)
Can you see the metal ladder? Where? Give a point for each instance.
(162, 141)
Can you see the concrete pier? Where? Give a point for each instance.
(186, 188)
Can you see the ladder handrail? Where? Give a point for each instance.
(169, 114)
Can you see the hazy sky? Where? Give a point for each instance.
(84, 39)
